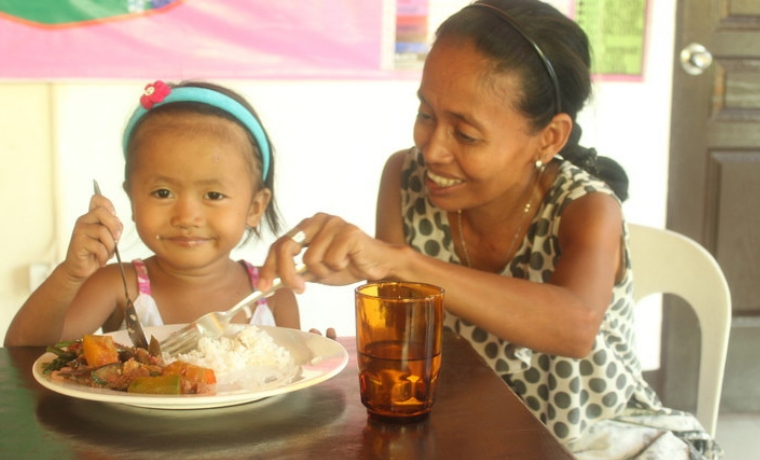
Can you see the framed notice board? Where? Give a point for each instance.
(617, 32)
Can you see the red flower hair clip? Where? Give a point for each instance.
(154, 93)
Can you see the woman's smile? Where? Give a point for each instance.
(441, 181)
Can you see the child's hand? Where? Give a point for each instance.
(329, 333)
(93, 239)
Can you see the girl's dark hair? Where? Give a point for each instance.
(271, 214)
(566, 47)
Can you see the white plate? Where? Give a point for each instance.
(319, 359)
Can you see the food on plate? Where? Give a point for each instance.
(251, 359)
(99, 350)
(159, 385)
(98, 361)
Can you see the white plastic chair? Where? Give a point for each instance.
(666, 262)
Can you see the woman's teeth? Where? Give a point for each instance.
(443, 181)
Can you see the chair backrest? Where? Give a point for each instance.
(666, 262)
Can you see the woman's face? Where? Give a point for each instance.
(478, 147)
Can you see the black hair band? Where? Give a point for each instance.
(547, 64)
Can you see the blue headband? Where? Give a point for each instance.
(158, 93)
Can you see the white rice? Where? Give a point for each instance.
(249, 360)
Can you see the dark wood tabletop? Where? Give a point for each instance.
(476, 416)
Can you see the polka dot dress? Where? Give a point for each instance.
(568, 395)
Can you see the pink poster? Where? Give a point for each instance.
(176, 39)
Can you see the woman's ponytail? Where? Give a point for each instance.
(603, 168)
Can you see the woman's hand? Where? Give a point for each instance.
(337, 253)
(93, 239)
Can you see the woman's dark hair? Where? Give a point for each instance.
(515, 34)
(271, 214)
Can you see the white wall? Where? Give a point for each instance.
(26, 189)
(331, 140)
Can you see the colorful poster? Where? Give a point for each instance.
(411, 33)
(417, 20)
(172, 39)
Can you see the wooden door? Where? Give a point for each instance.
(714, 190)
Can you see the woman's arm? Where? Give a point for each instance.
(559, 317)
(389, 225)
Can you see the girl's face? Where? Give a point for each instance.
(192, 190)
(478, 147)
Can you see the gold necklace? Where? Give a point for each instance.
(526, 210)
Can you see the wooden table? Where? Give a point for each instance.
(476, 416)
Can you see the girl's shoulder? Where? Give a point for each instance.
(109, 277)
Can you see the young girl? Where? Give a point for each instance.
(199, 176)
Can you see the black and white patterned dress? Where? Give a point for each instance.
(569, 395)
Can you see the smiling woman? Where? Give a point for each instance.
(499, 204)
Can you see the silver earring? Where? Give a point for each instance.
(539, 165)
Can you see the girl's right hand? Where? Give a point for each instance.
(93, 239)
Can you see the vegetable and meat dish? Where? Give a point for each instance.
(98, 361)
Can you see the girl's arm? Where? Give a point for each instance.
(40, 321)
(97, 300)
(284, 307)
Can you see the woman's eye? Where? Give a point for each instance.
(162, 193)
(422, 116)
(214, 196)
(465, 138)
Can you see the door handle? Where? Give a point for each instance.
(695, 59)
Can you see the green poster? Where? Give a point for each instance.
(616, 30)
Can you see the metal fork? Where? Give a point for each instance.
(134, 328)
(214, 324)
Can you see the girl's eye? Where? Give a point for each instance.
(162, 193)
(214, 196)
(422, 116)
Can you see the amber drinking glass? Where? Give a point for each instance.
(398, 343)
